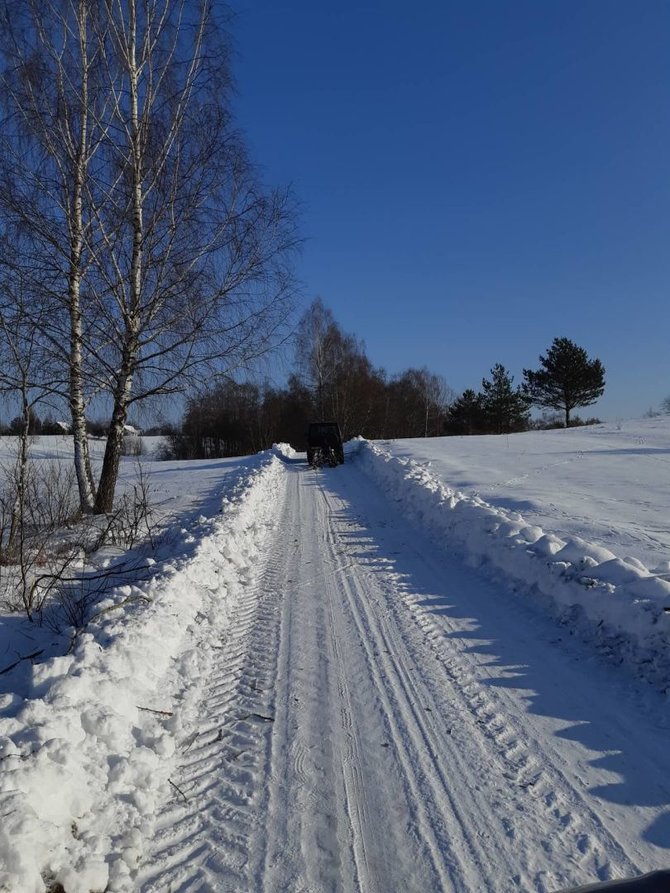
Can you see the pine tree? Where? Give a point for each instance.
(466, 414)
(505, 407)
(567, 379)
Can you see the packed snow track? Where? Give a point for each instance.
(382, 718)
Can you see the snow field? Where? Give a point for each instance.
(604, 483)
(617, 602)
(86, 755)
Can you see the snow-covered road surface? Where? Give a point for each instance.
(381, 718)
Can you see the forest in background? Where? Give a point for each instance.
(333, 378)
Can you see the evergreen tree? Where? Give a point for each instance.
(505, 407)
(567, 379)
(466, 414)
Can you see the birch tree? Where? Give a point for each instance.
(335, 368)
(432, 395)
(51, 133)
(164, 256)
(193, 269)
(315, 345)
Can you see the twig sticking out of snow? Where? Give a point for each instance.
(151, 710)
(178, 789)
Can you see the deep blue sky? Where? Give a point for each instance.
(477, 177)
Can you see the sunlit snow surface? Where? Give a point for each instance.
(449, 598)
(606, 483)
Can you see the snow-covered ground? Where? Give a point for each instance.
(441, 666)
(608, 483)
(613, 599)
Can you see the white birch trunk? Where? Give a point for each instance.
(114, 446)
(82, 461)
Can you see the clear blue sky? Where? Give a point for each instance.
(477, 177)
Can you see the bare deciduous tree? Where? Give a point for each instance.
(24, 376)
(434, 395)
(152, 238)
(53, 125)
(334, 366)
(194, 259)
(316, 352)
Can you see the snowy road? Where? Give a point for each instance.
(381, 718)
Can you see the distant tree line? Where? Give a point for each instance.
(36, 425)
(334, 379)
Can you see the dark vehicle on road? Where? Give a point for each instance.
(324, 444)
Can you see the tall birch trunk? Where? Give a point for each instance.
(82, 461)
(114, 446)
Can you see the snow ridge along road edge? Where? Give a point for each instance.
(95, 738)
(617, 603)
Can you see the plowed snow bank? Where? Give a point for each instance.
(86, 752)
(617, 602)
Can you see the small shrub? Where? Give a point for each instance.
(132, 445)
(43, 552)
(133, 518)
(52, 501)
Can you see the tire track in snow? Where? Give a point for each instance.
(360, 820)
(300, 846)
(358, 674)
(202, 839)
(578, 834)
(417, 735)
(536, 802)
